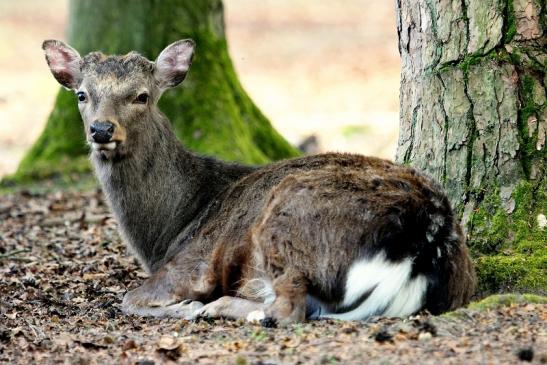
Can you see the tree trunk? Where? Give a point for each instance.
(211, 113)
(474, 116)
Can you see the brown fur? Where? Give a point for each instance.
(306, 220)
(217, 232)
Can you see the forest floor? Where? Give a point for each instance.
(64, 271)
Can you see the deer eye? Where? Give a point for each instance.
(81, 96)
(142, 98)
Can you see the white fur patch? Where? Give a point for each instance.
(409, 299)
(256, 316)
(103, 146)
(367, 273)
(393, 292)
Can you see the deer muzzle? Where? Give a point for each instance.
(101, 132)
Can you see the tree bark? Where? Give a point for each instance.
(474, 116)
(211, 113)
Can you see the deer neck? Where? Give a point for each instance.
(159, 189)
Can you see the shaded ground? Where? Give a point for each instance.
(64, 271)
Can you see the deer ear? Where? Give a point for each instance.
(64, 63)
(173, 63)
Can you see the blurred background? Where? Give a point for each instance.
(314, 67)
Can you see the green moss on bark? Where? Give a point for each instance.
(532, 96)
(211, 113)
(501, 102)
(512, 272)
(495, 301)
(510, 24)
(510, 249)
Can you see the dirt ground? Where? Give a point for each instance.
(64, 271)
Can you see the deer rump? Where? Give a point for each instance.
(337, 236)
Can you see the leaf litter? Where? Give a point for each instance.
(64, 271)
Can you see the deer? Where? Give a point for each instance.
(333, 235)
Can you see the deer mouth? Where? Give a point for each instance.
(110, 146)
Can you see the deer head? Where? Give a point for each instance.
(117, 95)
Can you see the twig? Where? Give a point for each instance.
(12, 253)
(319, 342)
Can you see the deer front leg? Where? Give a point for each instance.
(186, 309)
(169, 293)
(233, 308)
(289, 305)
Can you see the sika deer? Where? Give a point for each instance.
(333, 235)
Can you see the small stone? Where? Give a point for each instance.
(29, 280)
(349, 330)
(525, 354)
(128, 345)
(168, 343)
(5, 336)
(427, 326)
(145, 362)
(424, 336)
(382, 335)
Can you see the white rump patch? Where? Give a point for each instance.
(409, 299)
(394, 293)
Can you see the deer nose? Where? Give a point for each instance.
(101, 132)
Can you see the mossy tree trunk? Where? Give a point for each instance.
(211, 113)
(474, 116)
